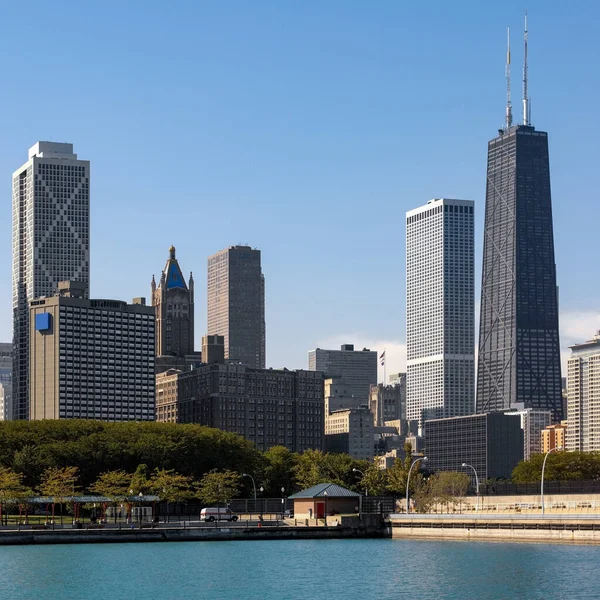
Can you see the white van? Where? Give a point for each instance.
(217, 514)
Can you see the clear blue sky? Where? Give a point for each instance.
(305, 129)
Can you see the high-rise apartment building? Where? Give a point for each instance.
(173, 302)
(51, 241)
(5, 381)
(91, 359)
(519, 350)
(236, 304)
(357, 368)
(583, 396)
(554, 436)
(440, 310)
(269, 407)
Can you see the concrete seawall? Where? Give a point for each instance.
(533, 528)
(188, 534)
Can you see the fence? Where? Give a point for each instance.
(550, 487)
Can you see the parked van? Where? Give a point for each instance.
(217, 514)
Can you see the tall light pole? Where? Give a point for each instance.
(282, 502)
(325, 494)
(355, 470)
(253, 484)
(558, 449)
(465, 465)
(424, 459)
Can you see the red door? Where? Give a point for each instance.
(320, 510)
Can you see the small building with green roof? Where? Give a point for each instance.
(324, 499)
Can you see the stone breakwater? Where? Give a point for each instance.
(530, 528)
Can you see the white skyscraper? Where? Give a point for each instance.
(440, 310)
(51, 241)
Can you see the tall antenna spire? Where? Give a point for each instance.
(526, 107)
(508, 102)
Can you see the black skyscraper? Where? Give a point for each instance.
(519, 352)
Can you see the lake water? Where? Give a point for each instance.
(280, 570)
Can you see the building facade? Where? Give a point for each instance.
(583, 396)
(533, 422)
(236, 304)
(492, 443)
(388, 402)
(51, 241)
(91, 359)
(554, 436)
(350, 431)
(213, 349)
(173, 302)
(266, 406)
(440, 310)
(357, 368)
(5, 381)
(519, 350)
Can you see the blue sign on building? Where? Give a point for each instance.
(43, 322)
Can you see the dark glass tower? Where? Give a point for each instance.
(519, 351)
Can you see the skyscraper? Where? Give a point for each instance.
(519, 351)
(173, 303)
(236, 304)
(51, 241)
(440, 325)
(583, 390)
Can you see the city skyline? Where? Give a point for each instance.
(314, 245)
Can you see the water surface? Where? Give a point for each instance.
(299, 569)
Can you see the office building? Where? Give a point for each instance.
(173, 302)
(213, 349)
(51, 241)
(357, 368)
(583, 396)
(91, 359)
(388, 402)
(440, 311)
(268, 407)
(350, 431)
(492, 443)
(5, 381)
(554, 436)
(236, 304)
(533, 422)
(519, 350)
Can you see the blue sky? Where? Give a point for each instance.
(306, 129)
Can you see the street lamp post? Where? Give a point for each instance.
(325, 494)
(131, 504)
(253, 484)
(282, 502)
(140, 496)
(424, 459)
(557, 449)
(355, 470)
(465, 465)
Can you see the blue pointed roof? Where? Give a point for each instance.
(172, 273)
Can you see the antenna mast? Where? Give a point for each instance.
(526, 107)
(508, 102)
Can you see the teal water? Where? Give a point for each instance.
(298, 569)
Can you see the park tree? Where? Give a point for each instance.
(171, 486)
(309, 468)
(397, 474)
(374, 481)
(278, 470)
(219, 487)
(59, 483)
(12, 491)
(448, 487)
(139, 483)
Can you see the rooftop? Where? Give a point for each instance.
(318, 491)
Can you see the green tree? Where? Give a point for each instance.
(278, 471)
(375, 481)
(219, 487)
(308, 470)
(12, 490)
(171, 486)
(29, 462)
(112, 484)
(59, 483)
(397, 474)
(448, 487)
(139, 481)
